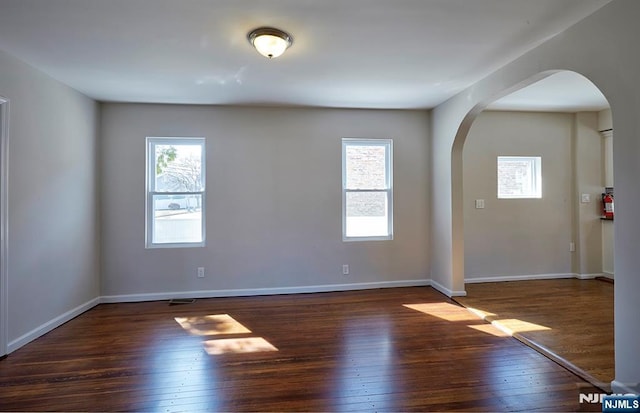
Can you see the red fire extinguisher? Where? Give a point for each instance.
(607, 201)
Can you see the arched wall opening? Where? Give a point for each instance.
(457, 176)
(558, 234)
(575, 221)
(600, 47)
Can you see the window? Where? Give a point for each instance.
(367, 189)
(519, 177)
(175, 192)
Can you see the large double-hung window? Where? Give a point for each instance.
(367, 189)
(175, 192)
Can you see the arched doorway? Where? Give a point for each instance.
(600, 48)
(533, 174)
(557, 231)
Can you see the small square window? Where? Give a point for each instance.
(519, 177)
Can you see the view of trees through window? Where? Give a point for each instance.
(176, 190)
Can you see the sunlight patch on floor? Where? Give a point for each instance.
(509, 326)
(489, 329)
(481, 313)
(513, 326)
(210, 325)
(445, 311)
(218, 324)
(238, 345)
(498, 328)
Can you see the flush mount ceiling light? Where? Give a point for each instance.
(269, 42)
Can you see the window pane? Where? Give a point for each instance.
(519, 177)
(177, 218)
(178, 168)
(367, 214)
(365, 167)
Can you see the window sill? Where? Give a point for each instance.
(177, 245)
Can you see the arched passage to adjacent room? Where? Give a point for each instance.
(600, 48)
(457, 178)
(557, 234)
(538, 228)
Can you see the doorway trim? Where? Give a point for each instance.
(4, 268)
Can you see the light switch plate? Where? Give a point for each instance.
(585, 198)
(479, 203)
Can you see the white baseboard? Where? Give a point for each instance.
(446, 291)
(127, 298)
(50, 325)
(61, 319)
(589, 276)
(500, 278)
(607, 274)
(625, 388)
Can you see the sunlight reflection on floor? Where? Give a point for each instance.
(513, 326)
(238, 345)
(489, 329)
(481, 313)
(210, 325)
(445, 311)
(216, 324)
(498, 327)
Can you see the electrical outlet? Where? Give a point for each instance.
(585, 198)
(345, 269)
(200, 272)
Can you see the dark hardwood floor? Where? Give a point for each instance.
(570, 320)
(403, 349)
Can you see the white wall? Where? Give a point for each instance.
(608, 236)
(605, 124)
(273, 200)
(587, 171)
(518, 237)
(53, 264)
(603, 48)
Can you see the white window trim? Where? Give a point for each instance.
(150, 190)
(388, 144)
(536, 164)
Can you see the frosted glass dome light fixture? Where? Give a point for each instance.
(270, 42)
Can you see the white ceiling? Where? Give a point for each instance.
(560, 92)
(346, 53)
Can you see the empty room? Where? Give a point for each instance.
(335, 205)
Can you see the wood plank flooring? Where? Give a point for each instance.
(402, 349)
(578, 315)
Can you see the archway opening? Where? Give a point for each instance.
(530, 167)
